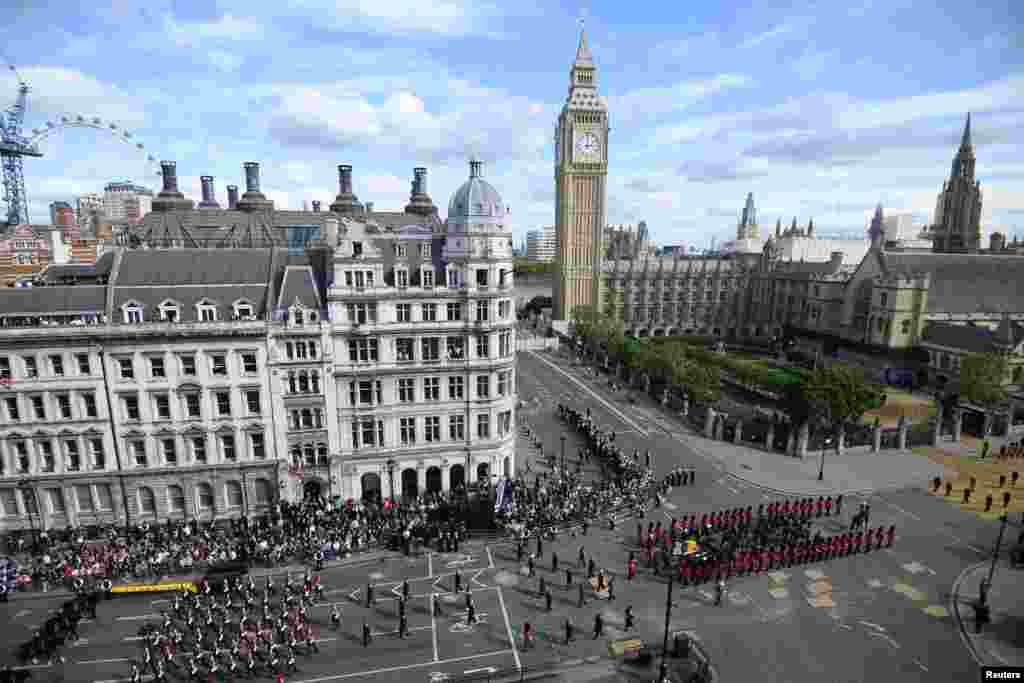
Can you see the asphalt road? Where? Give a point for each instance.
(882, 616)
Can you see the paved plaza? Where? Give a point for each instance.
(887, 615)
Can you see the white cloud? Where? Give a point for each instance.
(440, 17)
(225, 28)
(771, 34)
(650, 102)
(57, 91)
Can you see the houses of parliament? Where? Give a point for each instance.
(892, 291)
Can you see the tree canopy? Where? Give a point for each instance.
(982, 376)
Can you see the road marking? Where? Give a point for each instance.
(600, 400)
(894, 505)
(486, 669)
(872, 625)
(160, 602)
(917, 568)
(390, 669)
(875, 583)
(490, 558)
(923, 667)
(886, 638)
(138, 617)
(80, 642)
(104, 661)
(390, 633)
(23, 613)
(508, 629)
(734, 491)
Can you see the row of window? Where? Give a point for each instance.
(367, 350)
(218, 365)
(370, 392)
(366, 313)
(300, 350)
(169, 310)
(55, 364)
(302, 382)
(93, 498)
(369, 432)
(190, 405)
(44, 407)
(689, 283)
(40, 456)
(364, 278)
(652, 313)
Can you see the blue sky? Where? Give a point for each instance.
(821, 110)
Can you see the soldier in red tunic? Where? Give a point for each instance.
(819, 507)
(785, 509)
(890, 536)
(828, 506)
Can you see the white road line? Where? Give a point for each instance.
(390, 633)
(104, 661)
(508, 629)
(23, 613)
(490, 558)
(138, 617)
(433, 624)
(160, 602)
(590, 391)
(486, 669)
(390, 669)
(894, 505)
(430, 565)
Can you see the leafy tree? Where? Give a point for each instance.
(982, 376)
(838, 395)
(703, 382)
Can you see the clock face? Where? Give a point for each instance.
(588, 144)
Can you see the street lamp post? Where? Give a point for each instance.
(999, 543)
(28, 493)
(391, 476)
(826, 442)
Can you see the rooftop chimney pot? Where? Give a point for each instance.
(232, 197)
(316, 206)
(345, 179)
(170, 174)
(252, 176)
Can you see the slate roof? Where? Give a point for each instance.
(68, 300)
(194, 266)
(188, 296)
(965, 283)
(966, 337)
(299, 283)
(57, 273)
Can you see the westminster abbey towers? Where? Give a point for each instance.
(581, 171)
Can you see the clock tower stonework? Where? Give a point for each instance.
(581, 172)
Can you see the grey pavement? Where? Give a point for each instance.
(1001, 642)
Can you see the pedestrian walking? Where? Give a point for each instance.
(629, 618)
(611, 590)
(568, 577)
(568, 631)
(403, 626)
(369, 595)
(581, 600)
(458, 579)
(598, 626)
(366, 635)
(554, 562)
(531, 570)
(719, 592)
(547, 601)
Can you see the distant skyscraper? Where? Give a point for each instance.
(85, 205)
(747, 228)
(126, 202)
(581, 175)
(541, 244)
(957, 225)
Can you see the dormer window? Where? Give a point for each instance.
(243, 310)
(206, 311)
(170, 312)
(297, 316)
(357, 249)
(132, 312)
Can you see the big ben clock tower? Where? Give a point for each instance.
(581, 170)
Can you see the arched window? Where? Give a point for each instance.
(321, 454)
(175, 498)
(204, 496)
(312, 349)
(289, 351)
(304, 382)
(319, 418)
(170, 311)
(243, 310)
(291, 383)
(296, 455)
(147, 501)
(310, 454)
(315, 376)
(233, 494)
(307, 418)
